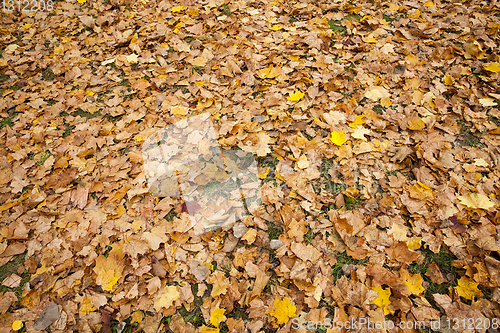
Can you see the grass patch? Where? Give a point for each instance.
(85, 114)
(48, 74)
(11, 268)
(342, 260)
(337, 27)
(467, 137)
(8, 121)
(194, 316)
(274, 230)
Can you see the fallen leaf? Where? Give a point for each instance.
(167, 296)
(217, 317)
(383, 299)
(295, 96)
(467, 288)
(476, 201)
(338, 138)
(109, 270)
(493, 67)
(283, 310)
(17, 325)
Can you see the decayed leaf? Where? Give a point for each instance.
(467, 288)
(283, 310)
(217, 317)
(383, 299)
(476, 201)
(109, 270)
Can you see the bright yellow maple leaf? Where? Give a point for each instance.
(176, 9)
(369, 40)
(476, 201)
(276, 27)
(109, 270)
(283, 310)
(413, 282)
(17, 325)
(448, 79)
(86, 306)
(383, 299)
(494, 67)
(414, 243)
(357, 122)
(295, 96)
(467, 288)
(217, 317)
(27, 25)
(168, 295)
(82, 1)
(338, 138)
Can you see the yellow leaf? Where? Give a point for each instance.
(467, 288)
(199, 61)
(109, 270)
(295, 96)
(386, 102)
(179, 110)
(134, 39)
(168, 295)
(412, 59)
(429, 4)
(276, 27)
(416, 124)
(82, 1)
(86, 306)
(448, 79)
(177, 9)
(480, 162)
(27, 25)
(338, 138)
(269, 72)
(217, 317)
(476, 201)
(357, 122)
(413, 283)
(283, 310)
(487, 102)
(137, 317)
(90, 93)
(414, 243)
(369, 40)
(206, 329)
(494, 67)
(377, 92)
(383, 299)
(17, 325)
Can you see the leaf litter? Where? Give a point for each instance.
(375, 127)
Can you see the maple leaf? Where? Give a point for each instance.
(295, 96)
(467, 288)
(132, 58)
(383, 299)
(476, 201)
(168, 295)
(414, 243)
(276, 27)
(338, 138)
(217, 317)
(487, 102)
(413, 283)
(416, 124)
(376, 93)
(109, 270)
(206, 329)
(493, 67)
(86, 306)
(283, 310)
(176, 9)
(357, 122)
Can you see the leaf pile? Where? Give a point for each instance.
(375, 126)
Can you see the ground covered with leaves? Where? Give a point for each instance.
(375, 126)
